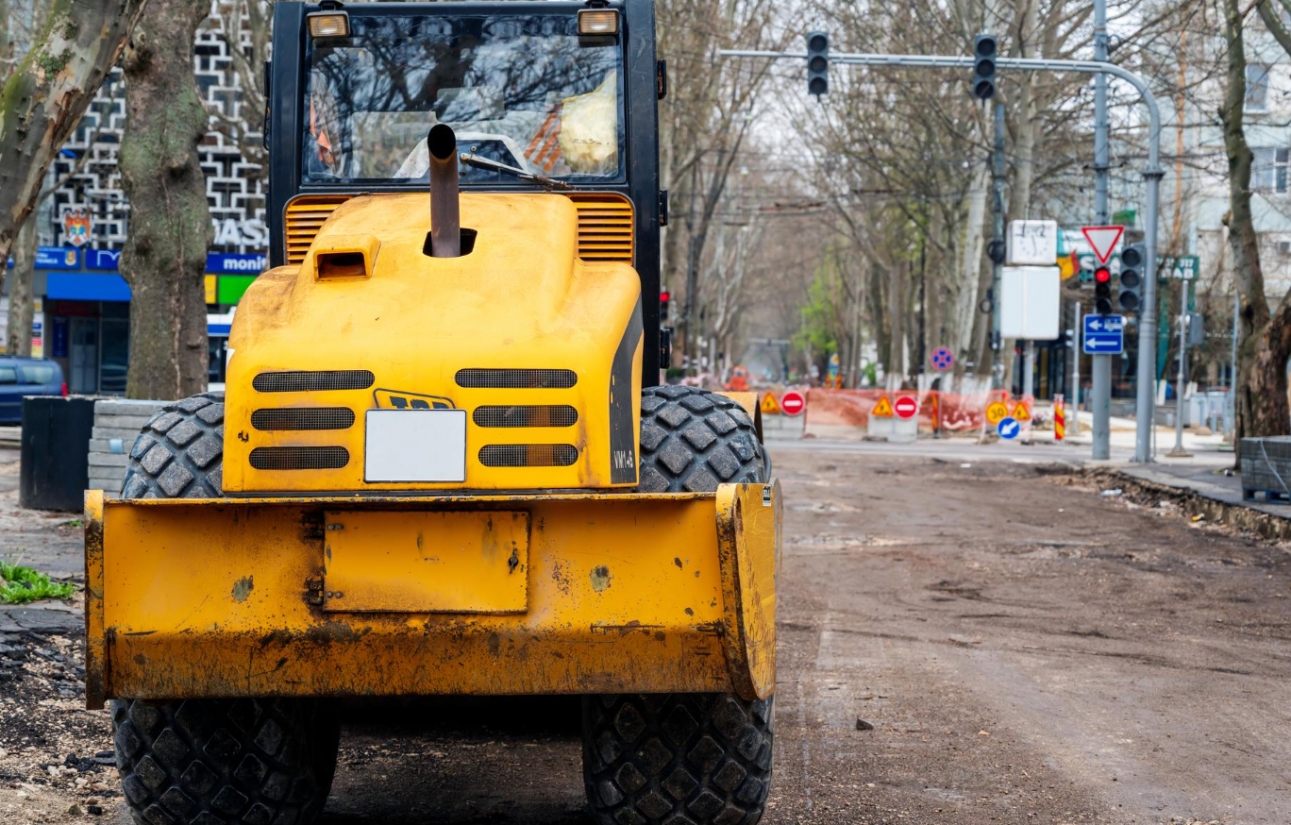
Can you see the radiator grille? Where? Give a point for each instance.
(303, 218)
(302, 381)
(528, 455)
(553, 416)
(299, 458)
(604, 227)
(308, 418)
(501, 379)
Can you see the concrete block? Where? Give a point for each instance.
(126, 406)
(108, 460)
(122, 422)
(125, 433)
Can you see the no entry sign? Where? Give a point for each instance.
(793, 403)
(907, 406)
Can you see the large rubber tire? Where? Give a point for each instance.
(692, 440)
(700, 758)
(683, 759)
(234, 762)
(180, 451)
(212, 761)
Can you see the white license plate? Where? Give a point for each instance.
(415, 445)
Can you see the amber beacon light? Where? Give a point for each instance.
(598, 22)
(328, 24)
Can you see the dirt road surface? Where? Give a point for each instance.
(958, 644)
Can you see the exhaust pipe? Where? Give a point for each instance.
(445, 215)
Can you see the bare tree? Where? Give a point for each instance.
(48, 91)
(704, 122)
(1264, 338)
(170, 228)
(247, 27)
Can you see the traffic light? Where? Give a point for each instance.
(996, 250)
(1130, 296)
(664, 298)
(1103, 290)
(817, 63)
(984, 51)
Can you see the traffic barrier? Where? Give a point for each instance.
(850, 413)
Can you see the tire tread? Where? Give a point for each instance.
(176, 454)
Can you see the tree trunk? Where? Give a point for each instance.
(1025, 145)
(170, 228)
(1262, 344)
(970, 269)
(21, 308)
(43, 100)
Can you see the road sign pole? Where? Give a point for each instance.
(1100, 406)
(1075, 371)
(1100, 401)
(1146, 406)
(1182, 378)
(998, 368)
(1028, 369)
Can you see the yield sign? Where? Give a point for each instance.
(1103, 240)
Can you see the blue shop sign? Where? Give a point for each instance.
(222, 263)
(103, 260)
(65, 258)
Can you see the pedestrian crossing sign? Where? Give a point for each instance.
(769, 405)
(883, 409)
(1021, 413)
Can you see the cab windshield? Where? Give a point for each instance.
(524, 90)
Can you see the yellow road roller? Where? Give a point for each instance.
(443, 463)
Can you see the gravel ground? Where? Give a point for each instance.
(958, 644)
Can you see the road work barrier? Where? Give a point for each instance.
(873, 413)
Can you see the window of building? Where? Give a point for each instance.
(1269, 170)
(1257, 87)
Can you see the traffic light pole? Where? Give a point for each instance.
(997, 265)
(1152, 176)
(1100, 396)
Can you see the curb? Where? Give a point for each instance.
(1194, 503)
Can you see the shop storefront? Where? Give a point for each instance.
(83, 313)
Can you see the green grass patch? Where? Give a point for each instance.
(20, 585)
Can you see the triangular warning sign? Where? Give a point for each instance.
(769, 405)
(1021, 413)
(883, 409)
(1102, 239)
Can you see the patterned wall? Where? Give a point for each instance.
(90, 181)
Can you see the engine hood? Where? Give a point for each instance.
(367, 299)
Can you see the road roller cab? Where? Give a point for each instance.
(442, 464)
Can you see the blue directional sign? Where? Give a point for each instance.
(1103, 335)
(1009, 428)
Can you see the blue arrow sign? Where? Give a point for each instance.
(1009, 428)
(1104, 335)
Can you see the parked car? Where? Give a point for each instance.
(21, 377)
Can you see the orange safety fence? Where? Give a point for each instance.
(945, 411)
